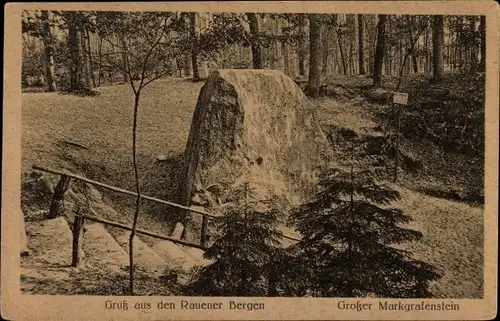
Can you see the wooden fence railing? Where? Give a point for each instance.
(63, 185)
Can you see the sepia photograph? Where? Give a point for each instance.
(248, 154)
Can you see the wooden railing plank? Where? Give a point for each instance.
(123, 191)
(144, 232)
(150, 198)
(203, 239)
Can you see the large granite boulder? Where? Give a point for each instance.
(254, 126)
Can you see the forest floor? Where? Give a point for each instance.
(92, 135)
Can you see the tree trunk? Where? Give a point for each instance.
(85, 60)
(453, 50)
(271, 55)
(379, 51)
(340, 44)
(482, 30)
(386, 63)
(414, 49)
(389, 50)
(437, 48)
(91, 66)
(314, 55)
(351, 42)
(342, 56)
(371, 43)
(49, 52)
(255, 41)
(74, 50)
(125, 66)
(187, 65)
(399, 51)
(325, 54)
(286, 58)
(474, 49)
(415, 63)
(99, 53)
(462, 49)
(351, 64)
(361, 48)
(427, 62)
(194, 46)
(301, 49)
(276, 46)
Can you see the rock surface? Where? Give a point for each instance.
(197, 255)
(254, 126)
(179, 262)
(36, 196)
(144, 257)
(102, 250)
(174, 255)
(50, 241)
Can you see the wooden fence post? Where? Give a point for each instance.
(396, 160)
(203, 239)
(58, 197)
(77, 239)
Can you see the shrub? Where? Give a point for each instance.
(348, 233)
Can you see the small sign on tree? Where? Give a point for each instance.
(400, 98)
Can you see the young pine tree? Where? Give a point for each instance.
(243, 254)
(347, 232)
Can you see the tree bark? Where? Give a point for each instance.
(286, 58)
(194, 46)
(49, 53)
(361, 48)
(437, 48)
(351, 42)
(453, 50)
(99, 53)
(255, 41)
(326, 52)
(379, 51)
(461, 48)
(301, 50)
(388, 49)
(125, 67)
(342, 56)
(187, 65)
(427, 50)
(74, 49)
(415, 64)
(85, 61)
(340, 44)
(482, 30)
(315, 55)
(371, 43)
(413, 44)
(91, 66)
(474, 49)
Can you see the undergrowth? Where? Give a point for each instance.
(449, 113)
